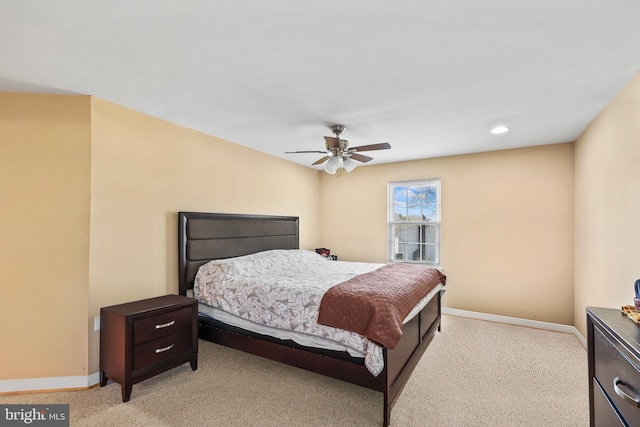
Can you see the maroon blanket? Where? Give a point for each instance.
(375, 304)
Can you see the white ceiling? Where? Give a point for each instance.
(431, 77)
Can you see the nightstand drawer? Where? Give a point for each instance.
(618, 376)
(161, 325)
(161, 349)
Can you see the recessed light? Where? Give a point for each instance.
(499, 129)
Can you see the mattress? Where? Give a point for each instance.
(277, 293)
(299, 338)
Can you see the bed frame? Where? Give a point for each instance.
(207, 236)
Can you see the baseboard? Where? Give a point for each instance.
(556, 327)
(35, 385)
(81, 383)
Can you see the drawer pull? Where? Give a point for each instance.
(623, 395)
(163, 349)
(166, 325)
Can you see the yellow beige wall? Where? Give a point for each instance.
(607, 205)
(143, 171)
(91, 193)
(45, 151)
(507, 226)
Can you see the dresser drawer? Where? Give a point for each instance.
(162, 325)
(156, 351)
(604, 414)
(618, 376)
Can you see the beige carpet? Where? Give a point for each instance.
(475, 373)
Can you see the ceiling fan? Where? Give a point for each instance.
(339, 155)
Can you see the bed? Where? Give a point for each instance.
(205, 237)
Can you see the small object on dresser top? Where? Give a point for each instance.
(631, 313)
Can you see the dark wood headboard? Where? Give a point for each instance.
(203, 237)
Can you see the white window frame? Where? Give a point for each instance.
(429, 224)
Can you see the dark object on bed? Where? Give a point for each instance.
(203, 237)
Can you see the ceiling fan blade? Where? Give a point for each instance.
(381, 146)
(360, 157)
(298, 152)
(322, 160)
(332, 141)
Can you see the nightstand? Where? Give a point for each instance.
(143, 338)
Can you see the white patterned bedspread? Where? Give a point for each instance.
(283, 289)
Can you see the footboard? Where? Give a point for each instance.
(401, 361)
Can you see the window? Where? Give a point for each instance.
(414, 222)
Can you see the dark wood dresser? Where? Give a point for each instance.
(614, 368)
(143, 338)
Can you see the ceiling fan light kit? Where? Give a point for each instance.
(339, 155)
(348, 164)
(333, 164)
